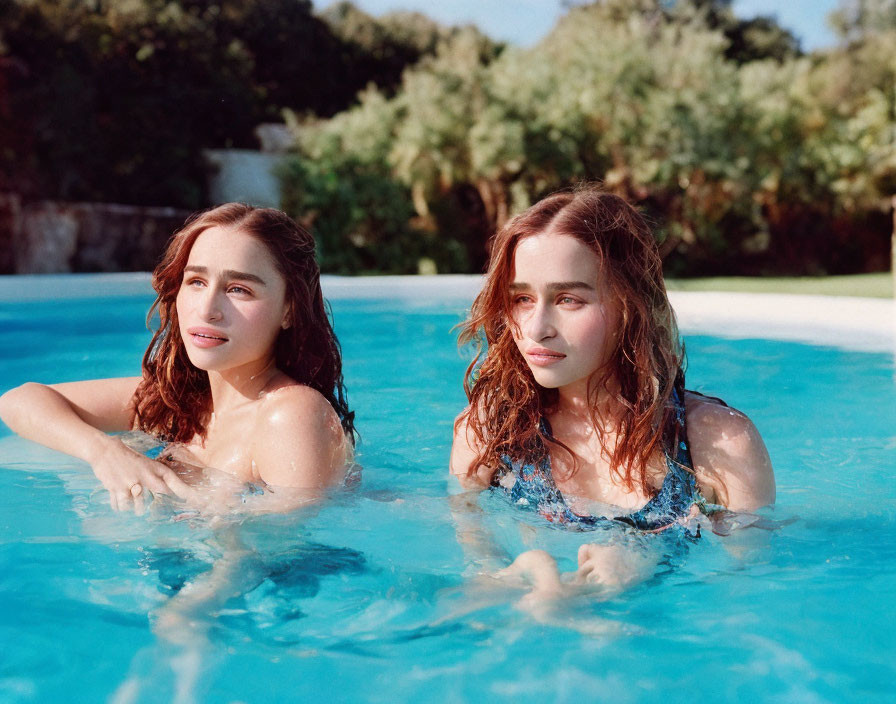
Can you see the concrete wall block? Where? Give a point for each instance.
(245, 176)
(103, 237)
(10, 230)
(124, 238)
(48, 239)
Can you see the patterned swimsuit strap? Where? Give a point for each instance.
(676, 447)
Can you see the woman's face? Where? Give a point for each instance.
(566, 326)
(232, 302)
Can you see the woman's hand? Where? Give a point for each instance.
(614, 567)
(127, 475)
(75, 418)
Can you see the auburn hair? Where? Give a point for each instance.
(507, 405)
(173, 401)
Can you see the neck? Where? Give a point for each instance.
(234, 387)
(578, 401)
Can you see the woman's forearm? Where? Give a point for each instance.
(75, 422)
(479, 546)
(43, 415)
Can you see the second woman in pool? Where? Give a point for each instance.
(577, 401)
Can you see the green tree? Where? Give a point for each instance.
(116, 100)
(341, 186)
(855, 19)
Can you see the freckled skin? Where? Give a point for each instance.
(731, 462)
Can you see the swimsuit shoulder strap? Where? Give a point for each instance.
(676, 447)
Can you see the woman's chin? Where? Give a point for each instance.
(204, 362)
(547, 380)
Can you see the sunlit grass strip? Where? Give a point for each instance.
(865, 285)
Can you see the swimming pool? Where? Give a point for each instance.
(371, 599)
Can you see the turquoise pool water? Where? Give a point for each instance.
(371, 599)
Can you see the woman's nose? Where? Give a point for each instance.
(210, 305)
(540, 323)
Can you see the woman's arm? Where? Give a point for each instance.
(478, 544)
(74, 418)
(464, 452)
(730, 459)
(69, 417)
(214, 493)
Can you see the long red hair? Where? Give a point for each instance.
(174, 400)
(507, 405)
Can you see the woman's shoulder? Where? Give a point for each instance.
(293, 403)
(298, 439)
(729, 456)
(712, 412)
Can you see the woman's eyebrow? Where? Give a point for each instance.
(557, 286)
(567, 285)
(229, 274)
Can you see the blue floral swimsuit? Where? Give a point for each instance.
(675, 504)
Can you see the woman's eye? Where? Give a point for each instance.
(522, 300)
(194, 282)
(568, 300)
(239, 290)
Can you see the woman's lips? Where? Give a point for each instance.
(542, 357)
(206, 337)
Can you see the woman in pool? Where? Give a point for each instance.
(243, 375)
(577, 401)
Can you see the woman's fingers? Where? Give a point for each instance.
(587, 551)
(154, 481)
(174, 484)
(140, 504)
(119, 499)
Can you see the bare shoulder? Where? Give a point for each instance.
(296, 399)
(464, 452)
(730, 459)
(298, 409)
(298, 440)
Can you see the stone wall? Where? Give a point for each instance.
(45, 237)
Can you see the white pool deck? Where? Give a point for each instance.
(866, 324)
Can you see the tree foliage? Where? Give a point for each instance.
(855, 19)
(115, 99)
(747, 155)
(415, 141)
